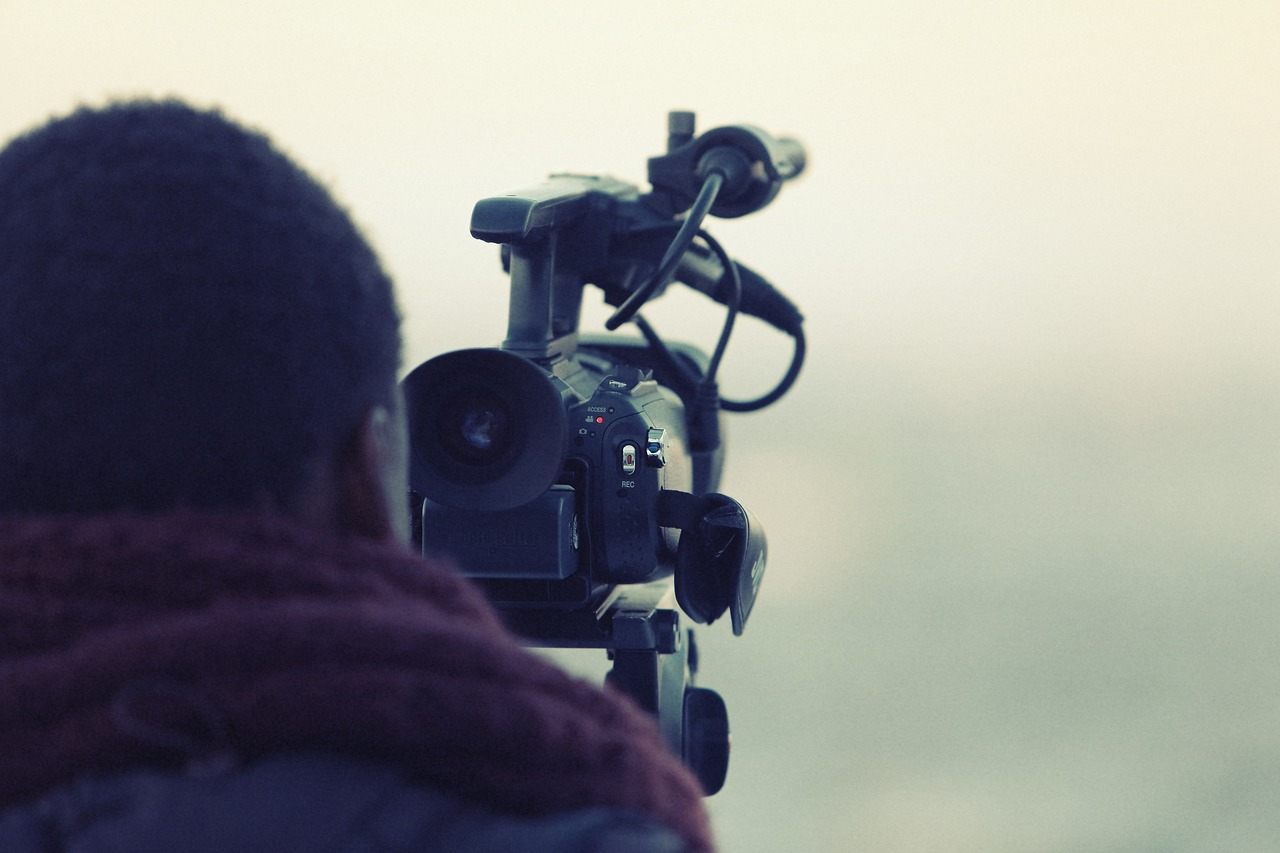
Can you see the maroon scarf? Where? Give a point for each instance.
(279, 638)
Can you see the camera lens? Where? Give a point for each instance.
(482, 428)
(475, 428)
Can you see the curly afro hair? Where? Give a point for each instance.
(187, 319)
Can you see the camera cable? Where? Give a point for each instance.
(671, 259)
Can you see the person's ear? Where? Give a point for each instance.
(372, 477)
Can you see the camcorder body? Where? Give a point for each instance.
(574, 478)
(618, 438)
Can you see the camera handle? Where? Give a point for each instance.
(538, 227)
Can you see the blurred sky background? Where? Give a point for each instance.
(1022, 506)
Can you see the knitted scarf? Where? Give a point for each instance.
(278, 638)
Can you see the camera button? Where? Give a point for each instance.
(628, 458)
(655, 447)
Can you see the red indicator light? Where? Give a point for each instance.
(599, 419)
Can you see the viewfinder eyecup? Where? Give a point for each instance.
(486, 429)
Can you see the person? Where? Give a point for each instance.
(213, 635)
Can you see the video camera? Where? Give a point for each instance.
(573, 478)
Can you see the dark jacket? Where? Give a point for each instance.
(308, 804)
(353, 695)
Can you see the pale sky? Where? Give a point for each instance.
(986, 176)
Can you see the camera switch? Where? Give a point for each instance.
(628, 458)
(655, 447)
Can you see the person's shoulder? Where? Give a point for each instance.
(304, 802)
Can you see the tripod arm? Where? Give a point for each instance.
(654, 662)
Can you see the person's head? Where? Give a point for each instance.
(188, 320)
